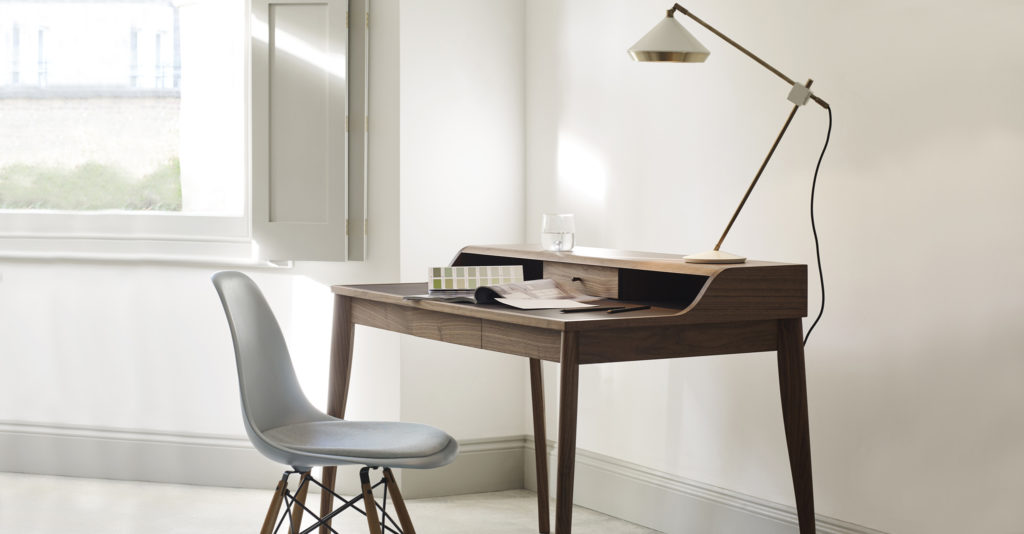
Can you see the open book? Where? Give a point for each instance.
(531, 294)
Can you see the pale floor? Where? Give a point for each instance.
(43, 505)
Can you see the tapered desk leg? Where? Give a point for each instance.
(793, 388)
(337, 389)
(567, 406)
(540, 440)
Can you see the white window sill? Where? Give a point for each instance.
(220, 253)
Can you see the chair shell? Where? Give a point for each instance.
(281, 422)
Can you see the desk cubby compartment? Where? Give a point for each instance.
(666, 289)
(610, 278)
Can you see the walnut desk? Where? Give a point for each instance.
(696, 310)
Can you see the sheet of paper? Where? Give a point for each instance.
(541, 304)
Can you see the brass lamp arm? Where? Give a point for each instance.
(740, 47)
(760, 171)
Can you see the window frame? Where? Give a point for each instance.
(57, 232)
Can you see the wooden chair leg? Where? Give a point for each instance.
(326, 499)
(275, 507)
(399, 502)
(300, 500)
(371, 505)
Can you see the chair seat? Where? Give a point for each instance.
(371, 442)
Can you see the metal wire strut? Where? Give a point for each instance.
(294, 506)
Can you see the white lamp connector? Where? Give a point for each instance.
(799, 94)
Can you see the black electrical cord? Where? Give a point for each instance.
(814, 229)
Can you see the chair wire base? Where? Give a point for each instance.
(290, 500)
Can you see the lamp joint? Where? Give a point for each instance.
(678, 8)
(800, 94)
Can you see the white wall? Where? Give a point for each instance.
(462, 183)
(144, 347)
(913, 374)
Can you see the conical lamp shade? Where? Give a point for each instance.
(669, 41)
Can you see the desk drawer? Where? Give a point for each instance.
(416, 322)
(596, 280)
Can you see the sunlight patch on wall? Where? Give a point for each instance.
(582, 172)
(310, 335)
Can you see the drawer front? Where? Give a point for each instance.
(594, 279)
(416, 322)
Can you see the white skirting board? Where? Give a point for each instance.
(483, 465)
(119, 454)
(654, 499)
(672, 504)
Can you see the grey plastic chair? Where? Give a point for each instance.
(286, 428)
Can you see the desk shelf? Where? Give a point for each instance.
(704, 293)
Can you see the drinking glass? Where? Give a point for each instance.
(558, 231)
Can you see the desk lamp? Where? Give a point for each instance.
(669, 41)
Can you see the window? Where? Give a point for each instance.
(128, 124)
(124, 118)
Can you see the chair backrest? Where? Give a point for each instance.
(271, 395)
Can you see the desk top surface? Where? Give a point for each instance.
(659, 313)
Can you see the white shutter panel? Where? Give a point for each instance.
(359, 110)
(299, 144)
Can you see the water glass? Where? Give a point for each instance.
(558, 231)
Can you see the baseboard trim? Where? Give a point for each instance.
(483, 465)
(633, 492)
(125, 454)
(673, 504)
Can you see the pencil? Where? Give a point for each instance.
(623, 310)
(592, 309)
